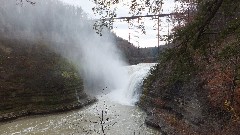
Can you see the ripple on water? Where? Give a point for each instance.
(117, 120)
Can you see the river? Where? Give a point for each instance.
(110, 116)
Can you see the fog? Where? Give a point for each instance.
(69, 32)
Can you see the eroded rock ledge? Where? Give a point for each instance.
(36, 80)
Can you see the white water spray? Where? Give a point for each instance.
(130, 94)
(67, 31)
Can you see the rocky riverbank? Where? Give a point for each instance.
(58, 109)
(186, 111)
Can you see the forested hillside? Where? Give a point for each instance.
(195, 87)
(135, 55)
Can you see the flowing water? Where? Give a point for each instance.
(130, 94)
(111, 115)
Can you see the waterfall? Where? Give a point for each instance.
(131, 92)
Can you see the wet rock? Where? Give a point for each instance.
(152, 121)
(166, 128)
(160, 124)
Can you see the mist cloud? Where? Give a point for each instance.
(68, 31)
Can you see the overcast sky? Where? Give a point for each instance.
(121, 28)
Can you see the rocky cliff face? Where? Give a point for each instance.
(35, 80)
(195, 87)
(197, 97)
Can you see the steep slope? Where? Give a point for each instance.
(35, 80)
(195, 87)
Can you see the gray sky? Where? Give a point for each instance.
(121, 28)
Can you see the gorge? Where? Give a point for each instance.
(53, 63)
(117, 114)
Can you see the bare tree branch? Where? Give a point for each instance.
(213, 9)
(28, 1)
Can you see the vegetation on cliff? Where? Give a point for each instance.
(35, 80)
(198, 79)
(195, 87)
(34, 77)
(135, 55)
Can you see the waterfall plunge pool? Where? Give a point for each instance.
(113, 114)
